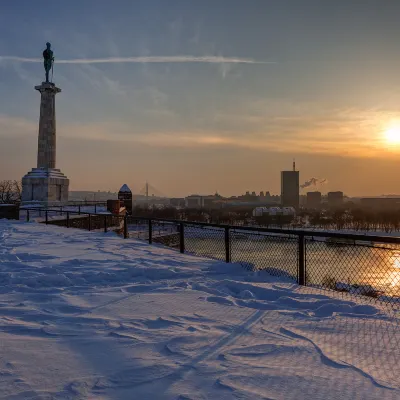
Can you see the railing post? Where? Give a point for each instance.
(227, 246)
(126, 227)
(27, 215)
(302, 262)
(150, 231)
(67, 219)
(181, 237)
(105, 224)
(47, 218)
(95, 208)
(79, 209)
(89, 222)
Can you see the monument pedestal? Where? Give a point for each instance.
(45, 184)
(45, 187)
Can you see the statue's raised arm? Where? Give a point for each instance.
(48, 60)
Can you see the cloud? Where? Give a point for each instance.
(295, 129)
(144, 59)
(122, 133)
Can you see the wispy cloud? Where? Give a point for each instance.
(145, 59)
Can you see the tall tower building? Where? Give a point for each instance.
(290, 188)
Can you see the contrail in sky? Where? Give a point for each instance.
(144, 59)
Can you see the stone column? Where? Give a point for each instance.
(46, 157)
(46, 185)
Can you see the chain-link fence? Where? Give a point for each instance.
(74, 219)
(274, 253)
(367, 266)
(348, 264)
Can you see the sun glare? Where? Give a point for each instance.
(392, 135)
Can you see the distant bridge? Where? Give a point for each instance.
(149, 191)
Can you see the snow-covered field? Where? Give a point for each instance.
(87, 315)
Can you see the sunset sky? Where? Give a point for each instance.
(198, 96)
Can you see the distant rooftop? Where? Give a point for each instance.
(125, 189)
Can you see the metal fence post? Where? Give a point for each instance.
(47, 218)
(79, 209)
(95, 208)
(27, 215)
(67, 219)
(227, 245)
(105, 224)
(126, 227)
(181, 238)
(302, 262)
(150, 231)
(89, 222)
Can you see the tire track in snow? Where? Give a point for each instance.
(226, 340)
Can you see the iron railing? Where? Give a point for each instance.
(349, 264)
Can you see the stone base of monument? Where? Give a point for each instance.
(44, 187)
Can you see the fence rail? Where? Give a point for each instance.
(352, 264)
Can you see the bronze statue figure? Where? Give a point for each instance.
(48, 60)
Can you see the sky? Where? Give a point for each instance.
(204, 96)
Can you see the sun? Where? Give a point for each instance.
(392, 134)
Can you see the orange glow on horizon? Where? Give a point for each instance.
(392, 134)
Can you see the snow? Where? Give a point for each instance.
(86, 315)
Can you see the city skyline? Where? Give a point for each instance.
(208, 96)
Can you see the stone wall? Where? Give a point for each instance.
(9, 211)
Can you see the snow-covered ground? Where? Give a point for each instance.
(87, 315)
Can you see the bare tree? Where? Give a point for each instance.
(10, 191)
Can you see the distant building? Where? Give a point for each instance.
(286, 211)
(177, 202)
(335, 199)
(392, 203)
(314, 200)
(197, 201)
(249, 197)
(290, 188)
(125, 197)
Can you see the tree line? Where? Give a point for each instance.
(357, 219)
(10, 192)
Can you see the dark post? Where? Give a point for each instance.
(95, 208)
(150, 231)
(27, 215)
(47, 217)
(227, 246)
(67, 219)
(126, 235)
(181, 238)
(79, 209)
(105, 224)
(89, 222)
(302, 263)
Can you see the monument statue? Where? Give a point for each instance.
(45, 184)
(48, 60)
